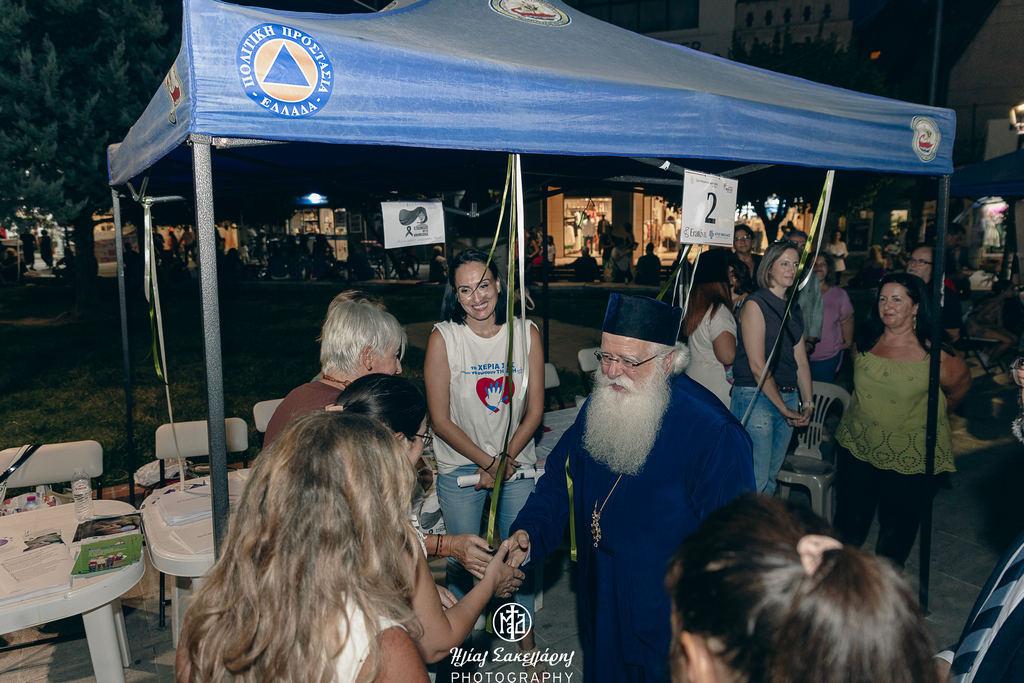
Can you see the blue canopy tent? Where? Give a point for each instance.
(1002, 176)
(438, 85)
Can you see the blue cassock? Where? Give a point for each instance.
(701, 460)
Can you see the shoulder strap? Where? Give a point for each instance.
(18, 462)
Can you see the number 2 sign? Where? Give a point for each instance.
(708, 212)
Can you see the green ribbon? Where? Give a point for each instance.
(675, 271)
(572, 510)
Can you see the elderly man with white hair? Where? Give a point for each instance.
(650, 455)
(358, 338)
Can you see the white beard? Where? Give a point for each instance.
(621, 427)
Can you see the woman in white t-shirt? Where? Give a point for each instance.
(475, 405)
(838, 251)
(709, 325)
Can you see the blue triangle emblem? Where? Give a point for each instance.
(285, 71)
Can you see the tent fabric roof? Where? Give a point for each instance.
(469, 74)
(1002, 176)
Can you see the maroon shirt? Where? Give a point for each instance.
(308, 398)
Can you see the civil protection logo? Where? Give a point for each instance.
(531, 11)
(284, 71)
(511, 622)
(174, 90)
(926, 138)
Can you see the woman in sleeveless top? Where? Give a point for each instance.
(316, 573)
(881, 454)
(446, 622)
(785, 399)
(476, 404)
(709, 325)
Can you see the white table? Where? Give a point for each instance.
(558, 422)
(96, 598)
(173, 558)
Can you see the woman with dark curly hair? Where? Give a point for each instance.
(881, 453)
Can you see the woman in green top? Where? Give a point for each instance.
(881, 454)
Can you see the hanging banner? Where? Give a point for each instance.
(708, 213)
(407, 224)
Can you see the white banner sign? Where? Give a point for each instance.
(407, 224)
(708, 214)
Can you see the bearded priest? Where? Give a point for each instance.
(650, 455)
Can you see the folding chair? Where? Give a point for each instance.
(805, 466)
(193, 442)
(588, 363)
(262, 412)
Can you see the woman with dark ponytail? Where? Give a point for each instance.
(762, 592)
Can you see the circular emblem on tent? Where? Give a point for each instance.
(926, 137)
(284, 70)
(531, 11)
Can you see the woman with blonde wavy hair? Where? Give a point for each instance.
(317, 570)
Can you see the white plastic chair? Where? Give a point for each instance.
(262, 412)
(804, 466)
(193, 442)
(588, 364)
(55, 462)
(552, 383)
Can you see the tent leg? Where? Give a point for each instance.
(129, 427)
(206, 240)
(938, 281)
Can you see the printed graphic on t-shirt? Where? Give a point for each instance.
(493, 392)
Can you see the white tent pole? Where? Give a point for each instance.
(206, 241)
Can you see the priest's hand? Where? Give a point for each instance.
(507, 579)
(520, 548)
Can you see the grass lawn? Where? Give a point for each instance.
(63, 380)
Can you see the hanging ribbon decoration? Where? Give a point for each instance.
(156, 322)
(820, 216)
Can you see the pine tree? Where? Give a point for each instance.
(74, 77)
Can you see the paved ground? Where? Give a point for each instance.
(974, 521)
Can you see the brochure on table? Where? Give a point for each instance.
(36, 561)
(32, 564)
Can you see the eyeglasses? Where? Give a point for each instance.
(917, 260)
(1015, 370)
(627, 364)
(427, 439)
(741, 239)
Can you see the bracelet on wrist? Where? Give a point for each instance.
(494, 459)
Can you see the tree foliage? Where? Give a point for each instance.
(821, 60)
(74, 77)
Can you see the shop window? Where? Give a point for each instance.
(807, 13)
(787, 16)
(750, 19)
(827, 12)
(768, 18)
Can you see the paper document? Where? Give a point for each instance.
(37, 564)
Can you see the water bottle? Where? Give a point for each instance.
(30, 501)
(81, 489)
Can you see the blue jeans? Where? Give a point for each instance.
(463, 508)
(825, 370)
(768, 430)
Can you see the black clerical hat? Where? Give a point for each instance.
(641, 317)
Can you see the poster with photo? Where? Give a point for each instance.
(408, 224)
